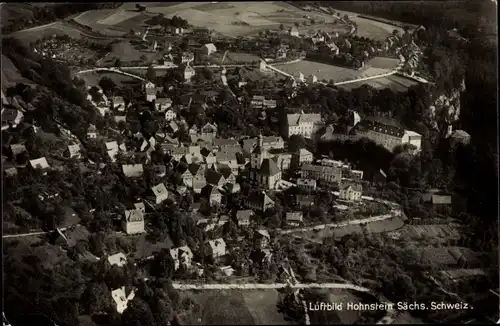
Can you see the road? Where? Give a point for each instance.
(257, 286)
(7, 236)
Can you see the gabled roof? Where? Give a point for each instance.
(209, 191)
(296, 119)
(354, 186)
(111, 145)
(294, 216)
(217, 245)
(132, 170)
(74, 149)
(17, 149)
(159, 190)
(195, 168)
(213, 177)
(382, 128)
(134, 215)
(269, 167)
(210, 46)
(222, 142)
(244, 214)
(260, 198)
(39, 163)
(263, 233)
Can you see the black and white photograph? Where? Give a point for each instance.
(250, 163)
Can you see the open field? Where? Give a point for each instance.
(326, 72)
(93, 78)
(434, 231)
(57, 28)
(93, 16)
(374, 29)
(127, 53)
(373, 227)
(233, 58)
(394, 82)
(383, 63)
(254, 307)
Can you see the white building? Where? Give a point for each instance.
(121, 299)
(118, 259)
(294, 31)
(305, 124)
(170, 115)
(351, 191)
(134, 221)
(160, 193)
(188, 73)
(216, 248)
(209, 48)
(182, 256)
(162, 104)
(388, 136)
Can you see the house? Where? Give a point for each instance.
(268, 143)
(263, 169)
(259, 201)
(212, 194)
(223, 143)
(208, 132)
(198, 184)
(312, 79)
(216, 248)
(305, 124)
(459, 137)
(257, 101)
(227, 173)
(243, 217)
(209, 48)
(188, 72)
(121, 298)
(304, 200)
(187, 57)
(39, 164)
(350, 191)
(151, 94)
(294, 31)
(261, 256)
(269, 104)
(227, 270)
(294, 218)
(329, 49)
(134, 221)
(214, 178)
(281, 53)
(118, 259)
(10, 172)
(11, 118)
(17, 149)
(441, 202)
(317, 38)
(301, 156)
(327, 174)
(388, 135)
(182, 256)
(118, 103)
(208, 156)
(162, 104)
(262, 238)
(140, 206)
(132, 170)
(160, 193)
(74, 151)
(182, 170)
(92, 132)
(307, 183)
(229, 159)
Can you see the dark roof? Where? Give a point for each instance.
(209, 190)
(213, 177)
(381, 127)
(269, 167)
(9, 115)
(181, 168)
(224, 170)
(194, 168)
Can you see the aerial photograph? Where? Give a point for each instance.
(250, 163)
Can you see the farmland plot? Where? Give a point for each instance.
(394, 82)
(118, 17)
(373, 29)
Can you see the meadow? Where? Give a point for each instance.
(394, 82)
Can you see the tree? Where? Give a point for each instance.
(296, 142)
(313, 22)
(297, 24)
(138, 313)
(395, 32)
(107, 84)
(282, 27)
(151, 74)
(118, 63)
(96, 298)
(163, 265)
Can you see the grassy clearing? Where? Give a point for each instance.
(374, 227)
(383, 63)
(93, 78)
(327, 72)
(374, 29)
(396, 83)
(127, 53)
(93, 16)
(57, 28)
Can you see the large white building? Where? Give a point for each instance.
(305, 124)
(134, 221)
(388, 136)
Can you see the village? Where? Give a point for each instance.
(203, 159)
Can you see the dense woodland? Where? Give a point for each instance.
(60, 289)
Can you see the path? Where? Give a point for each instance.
(30, 234)
(257, 286)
